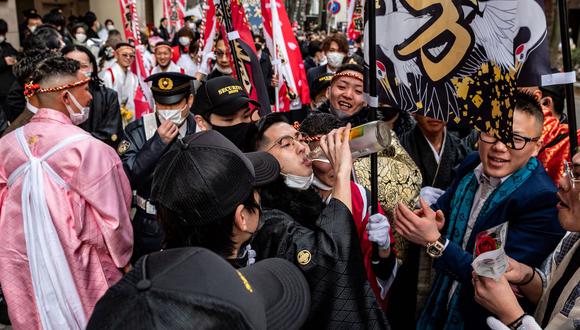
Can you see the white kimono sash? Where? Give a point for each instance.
(57, 300)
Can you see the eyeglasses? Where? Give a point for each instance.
(219, 53)
(518, 142)
(128, 55)
(569, 171)
(287, 141)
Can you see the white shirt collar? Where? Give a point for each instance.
(478, 171)
(183, 129)
(436, 154)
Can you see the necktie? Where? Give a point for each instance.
(486, 190)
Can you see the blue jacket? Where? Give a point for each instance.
(533, 232)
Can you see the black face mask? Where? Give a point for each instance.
(242, 135)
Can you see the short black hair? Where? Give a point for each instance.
(351, 67)
(527, 103)
(55, 66)
(318, 123)
(314, 47)
(556, 92)
(45, 37)
(26, 65)
(90, 18)
(260, 38)
(266, 122)
(54, 18)
(3, 26)
(109, 21)
(180, 232)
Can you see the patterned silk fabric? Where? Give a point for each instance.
(399, 181)
(553, 156)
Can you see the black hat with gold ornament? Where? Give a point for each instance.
(170, 87)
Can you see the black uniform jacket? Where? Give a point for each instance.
(329, 255)
(140, 156)
(104, 121)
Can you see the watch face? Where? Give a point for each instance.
(435, 250)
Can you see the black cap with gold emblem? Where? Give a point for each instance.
(170, 87)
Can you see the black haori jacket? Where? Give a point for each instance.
(324, 245)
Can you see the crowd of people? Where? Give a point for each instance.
(206, 214)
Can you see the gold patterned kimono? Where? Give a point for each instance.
(399, 181)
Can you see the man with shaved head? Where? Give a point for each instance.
(65, 232)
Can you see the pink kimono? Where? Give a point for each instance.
(86, 194)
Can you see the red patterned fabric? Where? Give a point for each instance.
(553, 157)
(359, 202)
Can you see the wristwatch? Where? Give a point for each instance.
(435, 249)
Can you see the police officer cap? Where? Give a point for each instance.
(30, 13)
(170, 87)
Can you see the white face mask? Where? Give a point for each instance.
(184, 41)
(298, 182)
(320, 185)
(76, 117)
(173, 115)
(31, 108)
(335, 59)
(2, 39)
(110, 27)
(32, 28)
(80, 37)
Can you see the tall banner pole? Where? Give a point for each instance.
(373, 99)
(373, 104)
(568, 88)
(274, 11)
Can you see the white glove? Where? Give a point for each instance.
(431, 194)
(204, 65)
(378, 229)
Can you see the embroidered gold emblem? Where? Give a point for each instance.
(165, 83)
(304, 257)
(123, 147)
(33, 139)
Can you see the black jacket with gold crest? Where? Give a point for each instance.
(325, 246)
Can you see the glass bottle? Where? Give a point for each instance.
(365, 139)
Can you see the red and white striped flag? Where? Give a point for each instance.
(174, 11)
(143, 96)
(286, 57)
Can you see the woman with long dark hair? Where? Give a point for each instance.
(104, 121)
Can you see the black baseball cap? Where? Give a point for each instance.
(321, 83)
(204, 177)
(222, 96)
(194, 288)
(170, 87)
